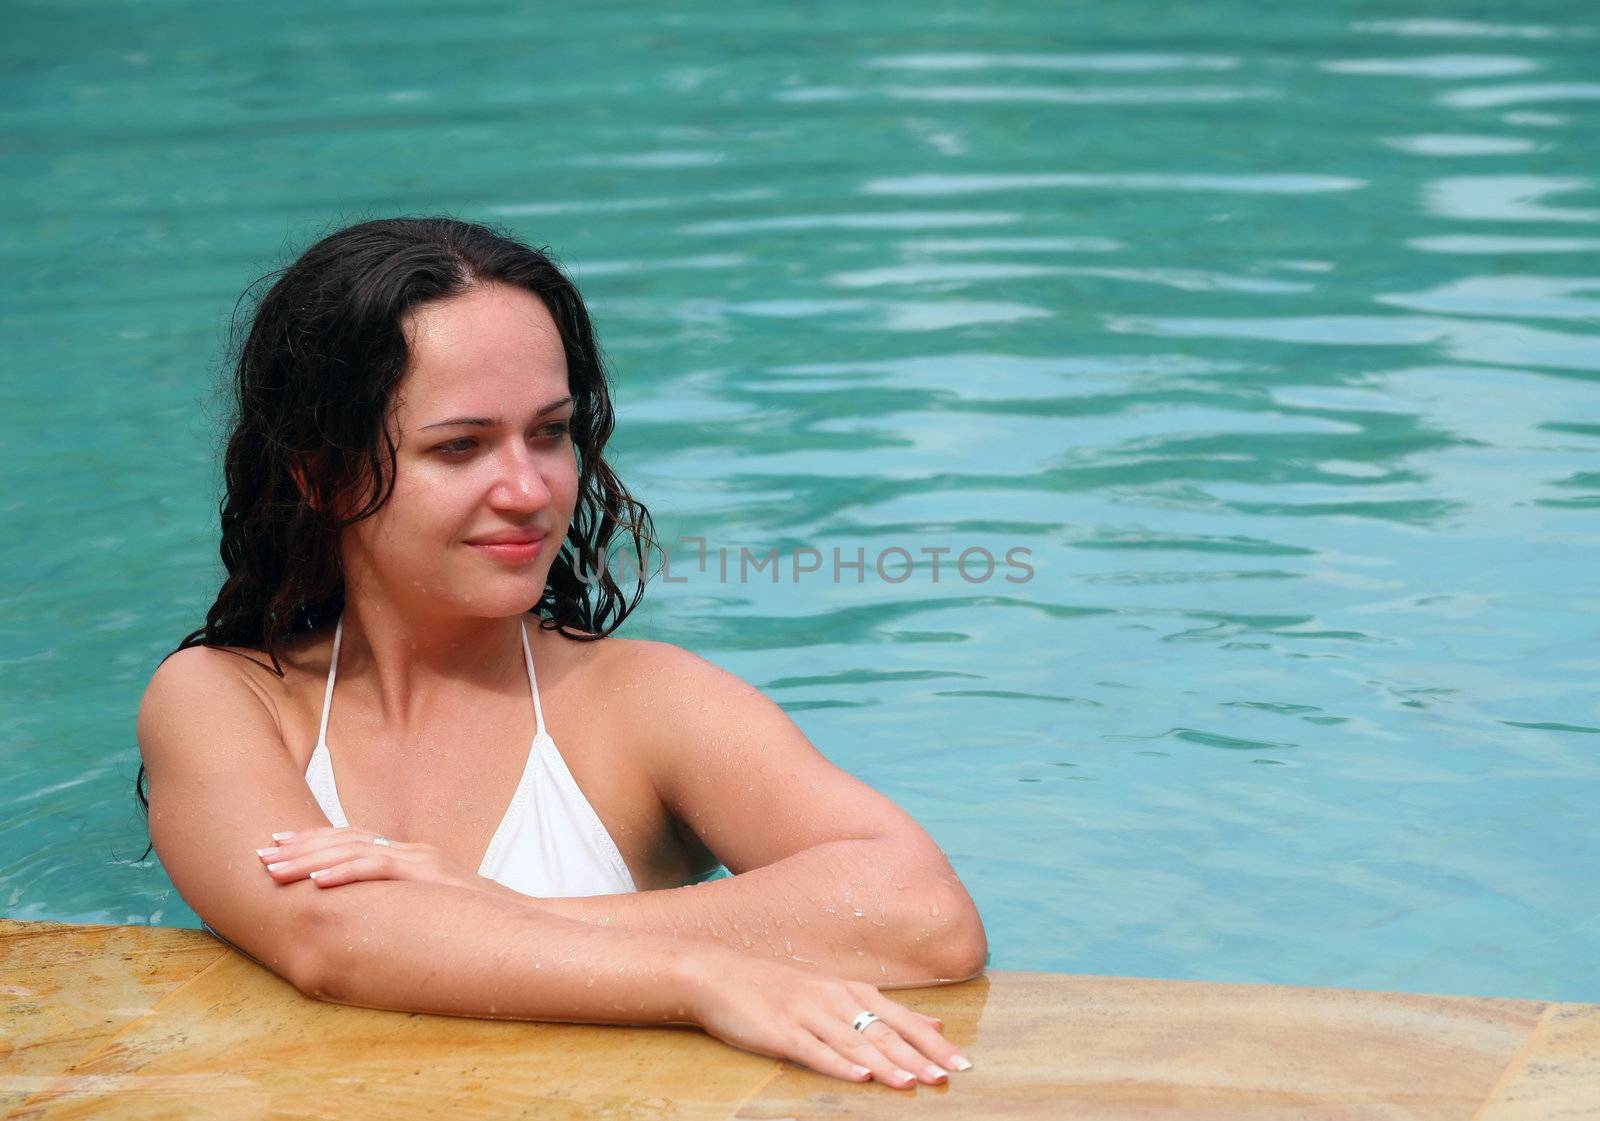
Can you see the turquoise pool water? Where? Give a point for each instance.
(1269, 335)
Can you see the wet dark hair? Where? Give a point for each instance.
(313, 380)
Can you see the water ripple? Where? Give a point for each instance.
(1437, 145)
(1506, 198)
(966, 184)
(1133, 63)
(1546, 297)
(1188, 280)
(1493, 97)
(880, 220)
(1107, 95)
(1501, 244)
(1435, 66)
(1086, 244)
(1463, 28)
(1472, 341)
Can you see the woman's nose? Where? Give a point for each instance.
(521, 484)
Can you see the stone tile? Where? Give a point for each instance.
(239, 1043)
(65, 989)
(1053, 1046)
(1557, 1075)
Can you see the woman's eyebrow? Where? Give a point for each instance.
(490, 422)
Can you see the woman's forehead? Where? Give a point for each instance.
(491, 343)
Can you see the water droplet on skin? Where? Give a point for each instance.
(933, 911)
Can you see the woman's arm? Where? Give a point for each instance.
(424, 947)
(837, 907)
(829, 874)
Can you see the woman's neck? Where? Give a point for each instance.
(411, 663)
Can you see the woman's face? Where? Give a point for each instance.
(486, 478)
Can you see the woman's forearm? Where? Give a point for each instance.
(424, 947)
(868, 910)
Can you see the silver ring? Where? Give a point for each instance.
(864, 1021)
(382, 841)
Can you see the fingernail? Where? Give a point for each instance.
(933, 1071)
(960, 1062)
(282, 836)
(905, 1076)
(320, 872)
(275, 867)
(267, 852)
(860, 1072)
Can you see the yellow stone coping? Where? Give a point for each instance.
(156, 1022)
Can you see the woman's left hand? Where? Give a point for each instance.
(330, 856)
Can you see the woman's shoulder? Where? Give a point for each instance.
(654, 676)
(614, 653)
(204, 667)
(298, 652)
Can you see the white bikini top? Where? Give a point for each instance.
(550, 842)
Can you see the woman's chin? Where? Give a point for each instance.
(502, 604)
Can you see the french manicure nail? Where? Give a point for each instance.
(934, 1071)
(275, 867)
(267, 852)
(960, 1062)
(905, 1076)
(282, 836)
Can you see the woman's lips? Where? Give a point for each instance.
(513, 552)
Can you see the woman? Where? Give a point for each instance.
(416, 531)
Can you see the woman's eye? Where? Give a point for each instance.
(456, 447)
(556, 430)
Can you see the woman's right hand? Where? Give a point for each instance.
(790, 1013)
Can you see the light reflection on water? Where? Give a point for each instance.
(1278, 358)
